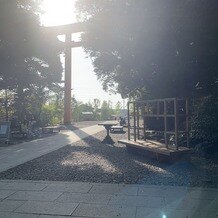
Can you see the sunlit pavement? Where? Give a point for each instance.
(21, 198)
(15, 155)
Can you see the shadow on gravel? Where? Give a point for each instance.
(89, 160)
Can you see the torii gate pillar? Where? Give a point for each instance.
(67, 86)
(67, 30)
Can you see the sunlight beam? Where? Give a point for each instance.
(58, 12)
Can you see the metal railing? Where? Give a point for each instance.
(163, 110)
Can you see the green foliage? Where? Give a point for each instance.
(6, 103)
(106, 111)
(29, 57)
(96, 108)
(204, 121)
(26, 50)
(78, 108)
(153, 49)
(118, 108)
(100, 111)
(49, 115)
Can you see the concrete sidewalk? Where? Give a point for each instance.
(46, 199)
(14, 155)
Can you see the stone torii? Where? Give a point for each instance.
(67, 30)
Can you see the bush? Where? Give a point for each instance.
(50, 115)
(205, 123)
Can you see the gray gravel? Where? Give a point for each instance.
(91, 161)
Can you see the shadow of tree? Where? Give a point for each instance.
(90, 160)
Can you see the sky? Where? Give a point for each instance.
(85, 86)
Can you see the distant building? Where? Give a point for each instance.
(87, 116)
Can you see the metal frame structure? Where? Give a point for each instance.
(164, 109)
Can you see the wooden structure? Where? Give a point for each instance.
(67, 30)
(159, 126)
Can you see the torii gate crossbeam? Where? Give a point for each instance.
(68, 30)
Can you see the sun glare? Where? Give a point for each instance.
(58, 12)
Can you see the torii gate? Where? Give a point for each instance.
(68, 30)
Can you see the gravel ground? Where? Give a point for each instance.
(91, 161)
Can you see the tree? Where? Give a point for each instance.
(29, 58)
(106, 111)
(78, 109)
(96, 106)
(6, 102)
(118, 108)
(153, 48)
(205, 115)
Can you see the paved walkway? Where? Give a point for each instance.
(47, 199)
(14, 155)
